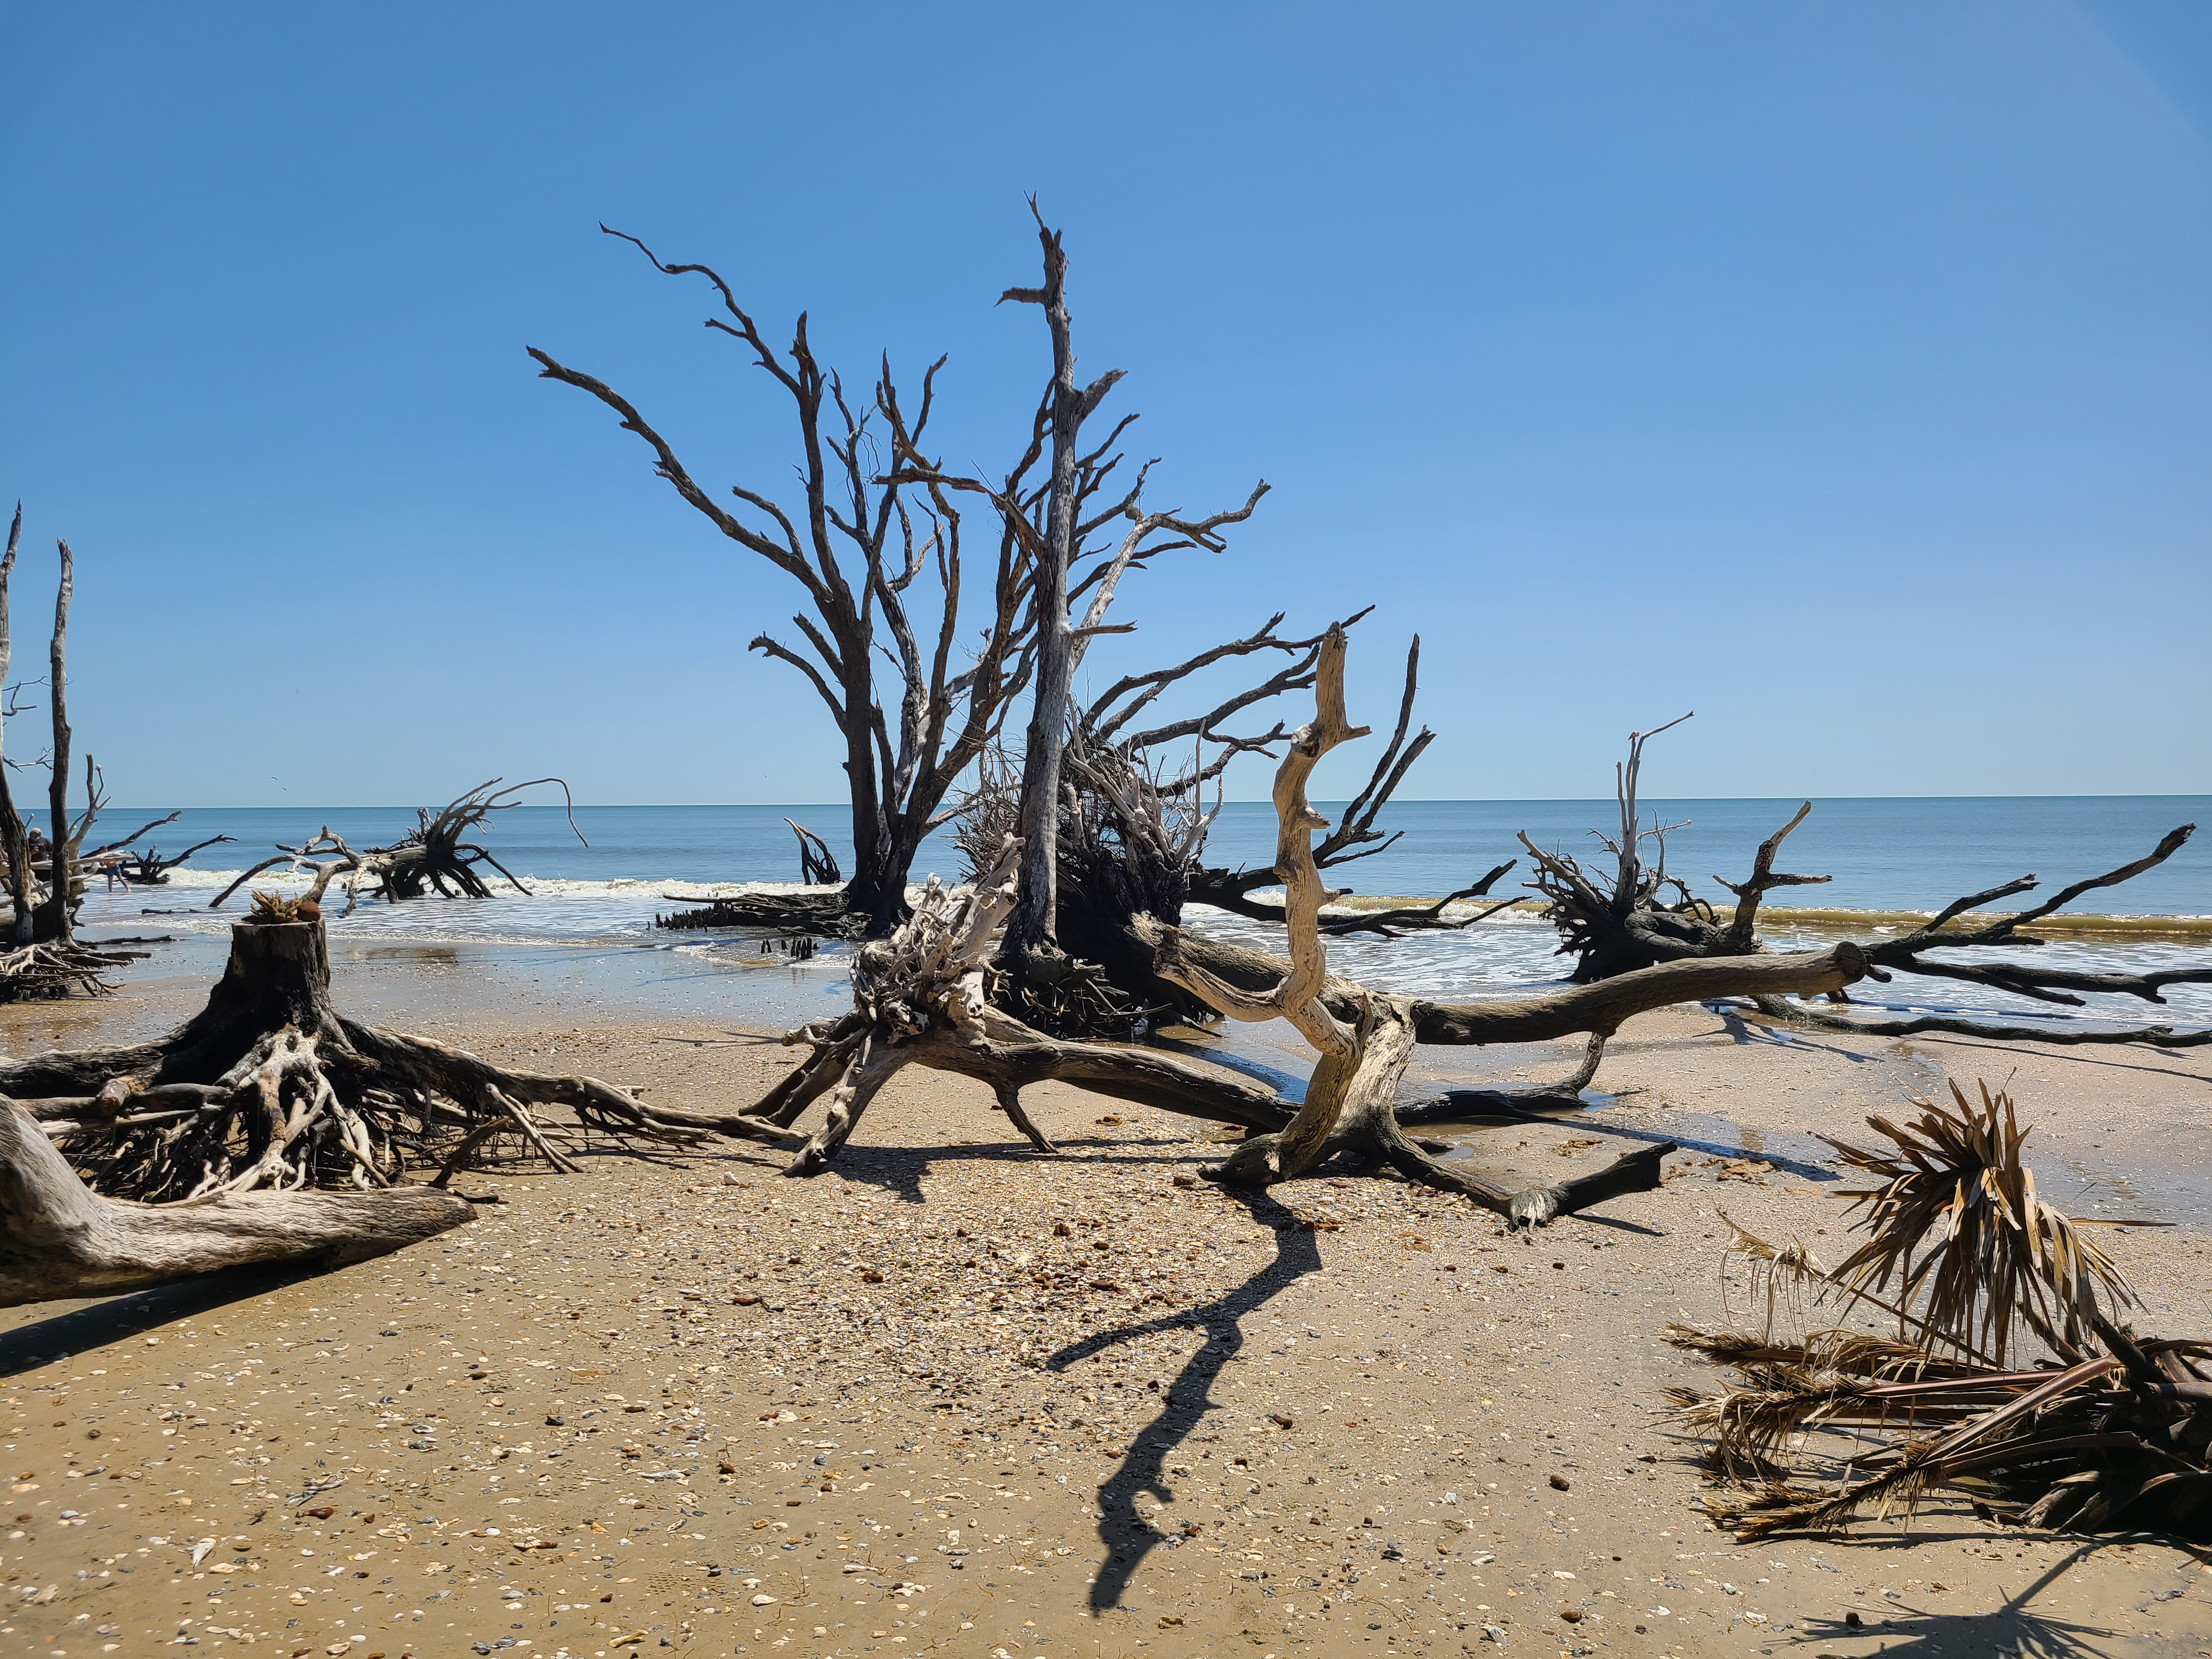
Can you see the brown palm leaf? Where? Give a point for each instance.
(1959, 1226)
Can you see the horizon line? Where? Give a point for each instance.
(110, 811)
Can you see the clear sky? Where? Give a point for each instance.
(1843, 371)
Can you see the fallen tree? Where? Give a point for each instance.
(1957, 928)
(1629, 928)
(432, 858)
(60, 1239)
(271, 1087)
(922, 997)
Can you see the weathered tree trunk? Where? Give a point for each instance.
(56, 919)
(1037, 822)
(60, 1239)
(1350, 1101)
(15, 836)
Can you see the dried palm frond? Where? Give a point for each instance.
(2115, 1437)
(1858, 1353)
(1771, 1268)
(1957, 1225)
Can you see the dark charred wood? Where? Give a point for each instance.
(148, 868)
(831, 914)
(817, 864)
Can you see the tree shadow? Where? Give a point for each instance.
(2011, 1627)
(1480, 1109)
(61, 1335)
(1747, 1035)
(1989, 1046)
(899, 1171)
(1125, 1536)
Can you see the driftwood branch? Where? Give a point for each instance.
(60, 1239)
(1915, 953)
(1355, 837)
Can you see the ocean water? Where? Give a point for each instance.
(599, 894)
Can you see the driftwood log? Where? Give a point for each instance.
(60, 1239)
(922, 997)
(1353, 837)
(269, 1087)
(432, 858)
(1955, 928)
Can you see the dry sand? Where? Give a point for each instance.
(958, 1399)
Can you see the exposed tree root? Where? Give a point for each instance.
(269, 1087)
(433, 858)
(58, 968)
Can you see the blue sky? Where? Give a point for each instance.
(1842, 371)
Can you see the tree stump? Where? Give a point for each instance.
(270, 1085)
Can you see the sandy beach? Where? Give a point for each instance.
(958, 1398)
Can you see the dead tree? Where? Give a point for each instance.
(60, 1239)
(921, 997)
(1956, 928)
(857, 552)
(15, 834)
(433, 858)
(270, 1087)
(817, 864)
(1355, 837)
(1058, 523)
(46, 960)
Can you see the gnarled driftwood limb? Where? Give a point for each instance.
(60, 1239)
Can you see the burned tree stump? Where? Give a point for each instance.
(269, 1087)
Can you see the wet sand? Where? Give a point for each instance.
(956, 1398)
